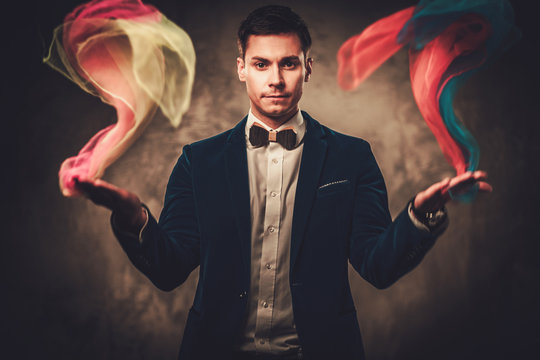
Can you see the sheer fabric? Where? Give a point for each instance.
(133, 58)
(447, 41)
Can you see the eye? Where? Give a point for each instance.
(260, 65)
(288, 64)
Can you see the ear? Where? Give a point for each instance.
(241, 69)
(309, 68)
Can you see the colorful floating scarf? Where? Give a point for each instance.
(133, 58)
(447, 40)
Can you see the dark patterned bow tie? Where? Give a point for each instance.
(259, 136)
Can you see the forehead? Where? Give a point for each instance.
(273, 46)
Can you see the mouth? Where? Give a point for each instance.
(276, 96)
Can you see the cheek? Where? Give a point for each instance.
(254, 83)
(299, 84)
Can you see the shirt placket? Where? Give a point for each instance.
(267, 279)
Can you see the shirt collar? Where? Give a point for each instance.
(297, 122)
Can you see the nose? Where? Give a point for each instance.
(275, 77)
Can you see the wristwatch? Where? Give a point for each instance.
(431, 219)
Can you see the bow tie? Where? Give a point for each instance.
(259, 136)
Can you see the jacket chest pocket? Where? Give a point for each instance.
(331, 199)
(337, 187)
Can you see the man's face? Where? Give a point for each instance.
(274, 69)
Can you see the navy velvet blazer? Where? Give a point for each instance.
(340, 215)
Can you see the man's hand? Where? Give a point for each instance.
(438, 194)
(130, 214)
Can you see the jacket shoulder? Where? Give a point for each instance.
(211, 142)
(334, 137)
(343, 143)
(215, 144)
(344, 138)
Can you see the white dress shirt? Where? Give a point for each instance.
(273, 176)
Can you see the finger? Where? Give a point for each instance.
(466, 180)
(99, 186)
(462, 189)
(106, 185)
(100, 192)
(480, 174)
(484, 186)
(464, 183)
(470, 181)
(459, 179)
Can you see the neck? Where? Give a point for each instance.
(274, 122)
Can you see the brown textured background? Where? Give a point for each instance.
(69, 292)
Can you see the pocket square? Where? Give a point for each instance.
(344, 181)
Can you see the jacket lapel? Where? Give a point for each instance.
(313, 157)
(238, 184)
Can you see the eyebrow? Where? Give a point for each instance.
(286, 58)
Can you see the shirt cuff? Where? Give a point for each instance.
(419, 225)
(129, 234)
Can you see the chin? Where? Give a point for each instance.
(277, 111)
(277, 114)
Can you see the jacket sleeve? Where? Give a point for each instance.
(169, 251)
(382, 250)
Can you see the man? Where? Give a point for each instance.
(272, 210)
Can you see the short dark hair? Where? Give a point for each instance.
(273, 20)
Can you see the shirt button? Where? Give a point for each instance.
(275, 161)
(271, 229)
(268, 266)
(273, 194)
